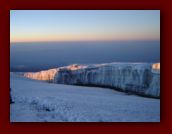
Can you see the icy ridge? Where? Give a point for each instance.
(139, 78)
(47, 75)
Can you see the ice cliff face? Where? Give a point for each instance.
(156, 68)
(47, 75)
(139, 78)
(155, 83)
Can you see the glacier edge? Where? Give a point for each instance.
(137, 78)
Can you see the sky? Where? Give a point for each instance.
(84, 25)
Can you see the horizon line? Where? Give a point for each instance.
(84, 40)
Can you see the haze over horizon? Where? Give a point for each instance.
(42, 39)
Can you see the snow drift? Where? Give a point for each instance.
(138, 78)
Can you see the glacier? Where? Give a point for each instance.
(138, 78)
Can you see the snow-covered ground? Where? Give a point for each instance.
(39, 101)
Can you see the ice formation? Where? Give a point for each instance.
(138, 78)
(47, 75)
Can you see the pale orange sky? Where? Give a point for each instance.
(91, 25)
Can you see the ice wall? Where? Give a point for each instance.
(156, 68)
(138, 78)
(47, 75)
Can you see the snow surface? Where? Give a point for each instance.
(39, 101)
